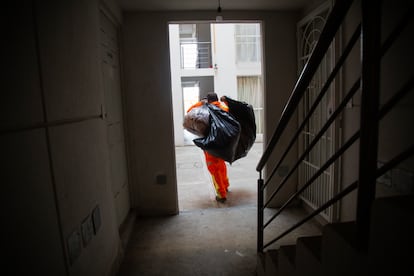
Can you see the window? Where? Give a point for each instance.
(247, 38)
(191, 92)
(249, 90)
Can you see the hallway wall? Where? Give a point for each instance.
(394, 136)
(148, 93)
(54, 177)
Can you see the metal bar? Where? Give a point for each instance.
(328, 33)
(371, 53)
(316, 175)
(331, 119)
(395, 161)
(391, 164)
(384, 110)
(260, 214)
(324, 89)
(330, 202)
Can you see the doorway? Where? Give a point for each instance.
(225, 58)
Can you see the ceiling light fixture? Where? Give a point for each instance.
(219, 17)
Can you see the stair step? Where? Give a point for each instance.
(392, 227)
(272, 262)
(308, 256)
(287, 260)
(340, 255)
(336, 251)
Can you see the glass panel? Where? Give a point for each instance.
(247, 37)
(249, 90)
(321, 190)
(190, 96)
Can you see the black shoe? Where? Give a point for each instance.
(220, 199)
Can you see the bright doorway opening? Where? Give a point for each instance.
(225, 58)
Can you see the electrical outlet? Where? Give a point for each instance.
(74, 244)
(87, 230)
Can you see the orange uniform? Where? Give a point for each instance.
(215, 165)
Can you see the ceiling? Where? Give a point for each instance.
(171, 5)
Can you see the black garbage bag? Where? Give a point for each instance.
(223, 136)
(244, 114)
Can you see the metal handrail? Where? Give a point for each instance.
(200, 61)
(329, 162)
(328, 123)
(331, 27)
(325, 206)
(318, 99)
(368, 128)
(406, 154)
(399, 95)
(328, 33)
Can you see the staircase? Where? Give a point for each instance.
(338, 252)
(379, 240)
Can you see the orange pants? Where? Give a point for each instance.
(218, 170)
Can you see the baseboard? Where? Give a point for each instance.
(125, 231)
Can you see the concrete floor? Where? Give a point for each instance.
(207, 237)
(195, 189)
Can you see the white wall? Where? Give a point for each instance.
(225, 81)
(54, 177)
(149, 113)
(177, 97)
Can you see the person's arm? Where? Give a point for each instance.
(224, 103)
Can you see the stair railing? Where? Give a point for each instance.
(367, 135)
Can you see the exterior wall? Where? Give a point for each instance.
(176, 90)
(54, 177)
(225, 75)
(224, 56)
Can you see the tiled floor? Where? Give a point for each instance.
(206, 238)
